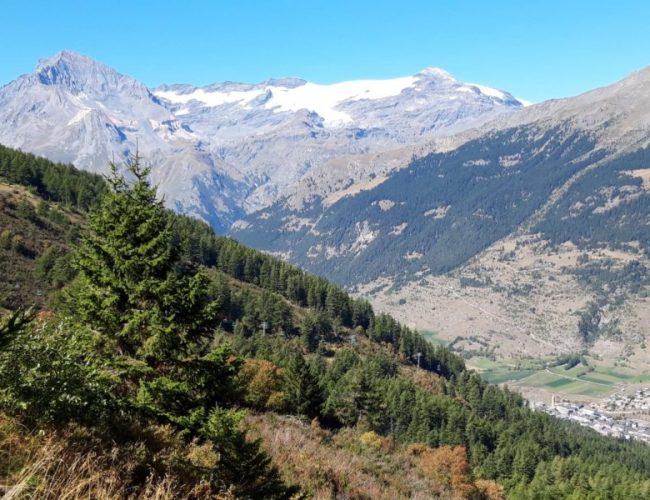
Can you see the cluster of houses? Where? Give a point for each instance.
(618, 423)
(637, 403)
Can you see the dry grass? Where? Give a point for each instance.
(340, 466)
(352, 464)
(47, 465)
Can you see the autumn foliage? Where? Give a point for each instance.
(262, 381)
(448, 466)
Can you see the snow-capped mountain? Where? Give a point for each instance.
(344, 104)
(223, 150)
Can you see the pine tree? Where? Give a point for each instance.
(301, 388)
(133, 285)
(156, 314)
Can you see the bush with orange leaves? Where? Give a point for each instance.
(489, 490)
(262, 384)
(448, 466)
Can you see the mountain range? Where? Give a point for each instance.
(524, 170)
(432, 196)
(225, 150)
(515, 234)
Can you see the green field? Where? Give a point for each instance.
(481, 363)
(578, 380)
(561, 384)
(503, 376)
(432, 337)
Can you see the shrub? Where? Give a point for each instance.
(6, 237)
(262, 382)
(50, 376)
(371, 440)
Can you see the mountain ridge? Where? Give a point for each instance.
(517, 230)
(219, 162)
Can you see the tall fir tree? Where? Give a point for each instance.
(156, 314)
(301, 387)
(133, 285)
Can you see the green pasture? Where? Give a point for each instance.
(578, 380)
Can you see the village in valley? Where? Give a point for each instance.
(620, 415)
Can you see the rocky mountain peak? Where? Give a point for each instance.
(75, 72)
(78, 73)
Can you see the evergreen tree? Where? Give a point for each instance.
(132, 285)
(314, 327)
(156, 315)
(301, 388)
(241, 462)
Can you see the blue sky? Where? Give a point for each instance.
(534, 49)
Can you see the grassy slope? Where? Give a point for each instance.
(23, 239)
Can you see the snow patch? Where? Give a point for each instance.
(489, 91)
(211, 99)
(321, 99)
(399, 229)
(437, 72)
(79, 116)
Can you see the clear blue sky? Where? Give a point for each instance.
(534, 49)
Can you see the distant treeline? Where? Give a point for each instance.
(52, 181)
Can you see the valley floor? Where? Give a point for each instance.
(512, 311)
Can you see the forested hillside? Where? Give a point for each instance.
(42, 207)
(432, 216)
(168, 362)
(608, 207)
